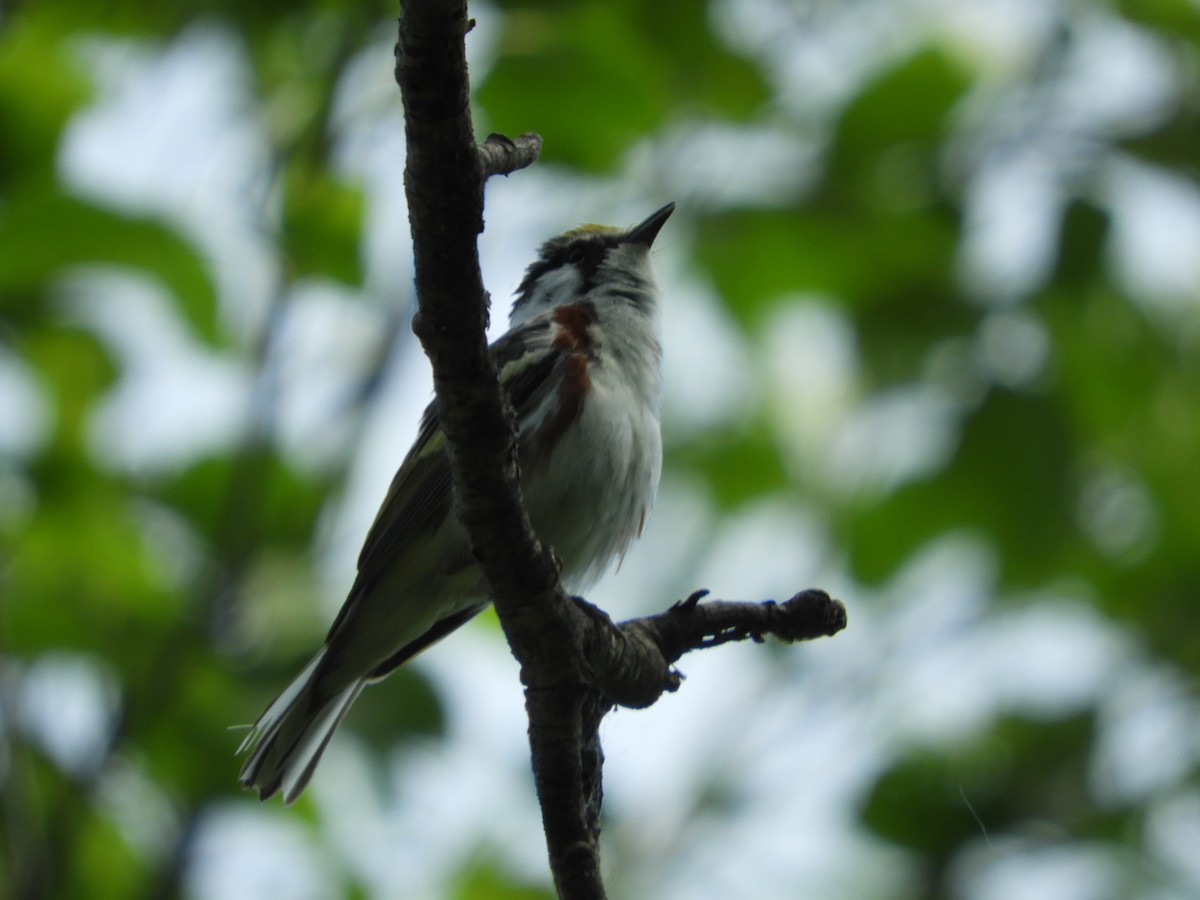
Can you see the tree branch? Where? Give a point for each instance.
(630, 663)
(502, 155)
(575, 664)
(444, 179)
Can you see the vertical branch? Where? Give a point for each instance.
(444, 178)
(593, 710)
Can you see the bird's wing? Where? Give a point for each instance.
(420, 496)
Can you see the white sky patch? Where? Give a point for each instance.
(25, 412)
(139, 807)
(1052, 657)
(892, 437)
(706, 363)
(1003, 36)
(1148, 737)
(1047, 655)
(1156, 240)
(659, 567)
(931, 633)
(370, 150)
(367, 91)
(389, 432)
(246, 852)
(1173, 834)
(1032, 150)
(201, 156)
(773, 548)
(720, 164)
(67, 703)
(1014, 870)
(1011, 348)
(1117, 512)
(1010, 231)
(176, 400)
(1118, 78)
(198, 84)
(915, 632)
(326, 341)
(443, 801)
(816, 54)
(830, 433)
(811, 362)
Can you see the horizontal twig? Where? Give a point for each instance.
(502, 155)
(631, 663)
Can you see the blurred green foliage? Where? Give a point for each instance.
(877, 235)
(670, 63)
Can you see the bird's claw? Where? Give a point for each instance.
(692, 600)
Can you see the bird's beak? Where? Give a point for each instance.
(647, 231)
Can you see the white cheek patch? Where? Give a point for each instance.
(555, 287)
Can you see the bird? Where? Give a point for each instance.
(581, 363)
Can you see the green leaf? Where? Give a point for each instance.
(1021, 772)
(904, 110)
(78, 575)
(703, 76)
(103, 865)
(919, 802)
(895, 338)
(77, 369)
(557, 70)
(1174, 144)
(1012, 480)
(40, 89)
(1176, 18)
(44, 231)
(1133, 389)
(1082, 246)
(322, 225)
(594, 77)
(403, 705)
(249, 499)
(738, 468)
(758, 256)
(487, 879)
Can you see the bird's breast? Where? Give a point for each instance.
(589, 492)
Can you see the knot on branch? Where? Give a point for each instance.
(625, 661)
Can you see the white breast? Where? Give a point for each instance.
(596, 494)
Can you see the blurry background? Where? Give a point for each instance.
(932, 343)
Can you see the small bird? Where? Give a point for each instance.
(582, 365)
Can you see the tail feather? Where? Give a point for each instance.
(288, 739)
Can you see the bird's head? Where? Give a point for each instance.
(594, 262)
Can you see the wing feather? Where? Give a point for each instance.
(420, 496)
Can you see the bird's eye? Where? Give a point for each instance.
(577, 254)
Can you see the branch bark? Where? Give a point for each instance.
(631, 663)
(575, 663)
(444, 179)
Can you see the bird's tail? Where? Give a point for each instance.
(288, 739)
